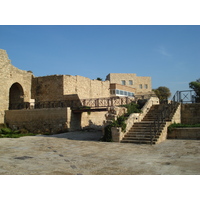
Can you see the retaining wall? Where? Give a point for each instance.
(52, 120)
(190, 113)
(184, 133)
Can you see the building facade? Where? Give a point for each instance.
(132, 84)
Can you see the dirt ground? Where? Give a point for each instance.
(81, 153)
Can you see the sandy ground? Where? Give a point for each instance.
(80, 153)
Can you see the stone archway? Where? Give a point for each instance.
(16, 96)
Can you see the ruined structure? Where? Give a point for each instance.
(15, 85)
(21, 92)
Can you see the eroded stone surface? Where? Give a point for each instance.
(64, 154)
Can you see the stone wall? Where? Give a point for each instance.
(10, 75)
(85, 88)
(66, 87)
(190, 113)
(184, 133)
(177, 115)
(48, 88)
(93, 120)
(52, 120)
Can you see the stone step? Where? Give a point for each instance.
(145, 129)
(152, 116)
(153, 113)
(143, 123)
(140, 136)
(140, 133)
(138, 141)
(149, 118)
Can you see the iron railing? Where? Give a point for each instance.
(166, 113)
(19, 106)
(184, 96)
(92, 103)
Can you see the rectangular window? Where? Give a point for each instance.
(140, 86)
(117, 91)
(123, 82)
(121, 92)
(130, 82)
(146, 86)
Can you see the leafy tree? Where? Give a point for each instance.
(163, 93)
(195, 85)
(99, 79)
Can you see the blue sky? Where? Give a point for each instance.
(169, 54)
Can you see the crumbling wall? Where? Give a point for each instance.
(8, 76)
(47, 88)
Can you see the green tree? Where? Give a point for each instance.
(163, 93)
(99, 79)
(195, 85)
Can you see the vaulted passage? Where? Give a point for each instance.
(16, 96)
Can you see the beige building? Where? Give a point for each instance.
(67, 87)
(138, 85)
(19, 89)
(121, 90)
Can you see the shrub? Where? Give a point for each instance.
(132, 108)
(6, 130)
(9, 133)
(178, 125)
(119, 122)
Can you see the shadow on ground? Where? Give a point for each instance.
(81, 135)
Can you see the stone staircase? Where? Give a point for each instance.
(140, 131)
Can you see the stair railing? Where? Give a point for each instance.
(166, 113)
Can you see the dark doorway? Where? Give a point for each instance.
(16, 96)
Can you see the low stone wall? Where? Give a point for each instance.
(93, 120)
(117, 134)
(163, 135)
(52, 120)
(184, 133)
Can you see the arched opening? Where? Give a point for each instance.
(16, 96)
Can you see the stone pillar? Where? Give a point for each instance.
(116, 134)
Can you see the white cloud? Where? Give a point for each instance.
(162, 50)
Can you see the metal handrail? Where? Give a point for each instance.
(76, 103)
(165, 114)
